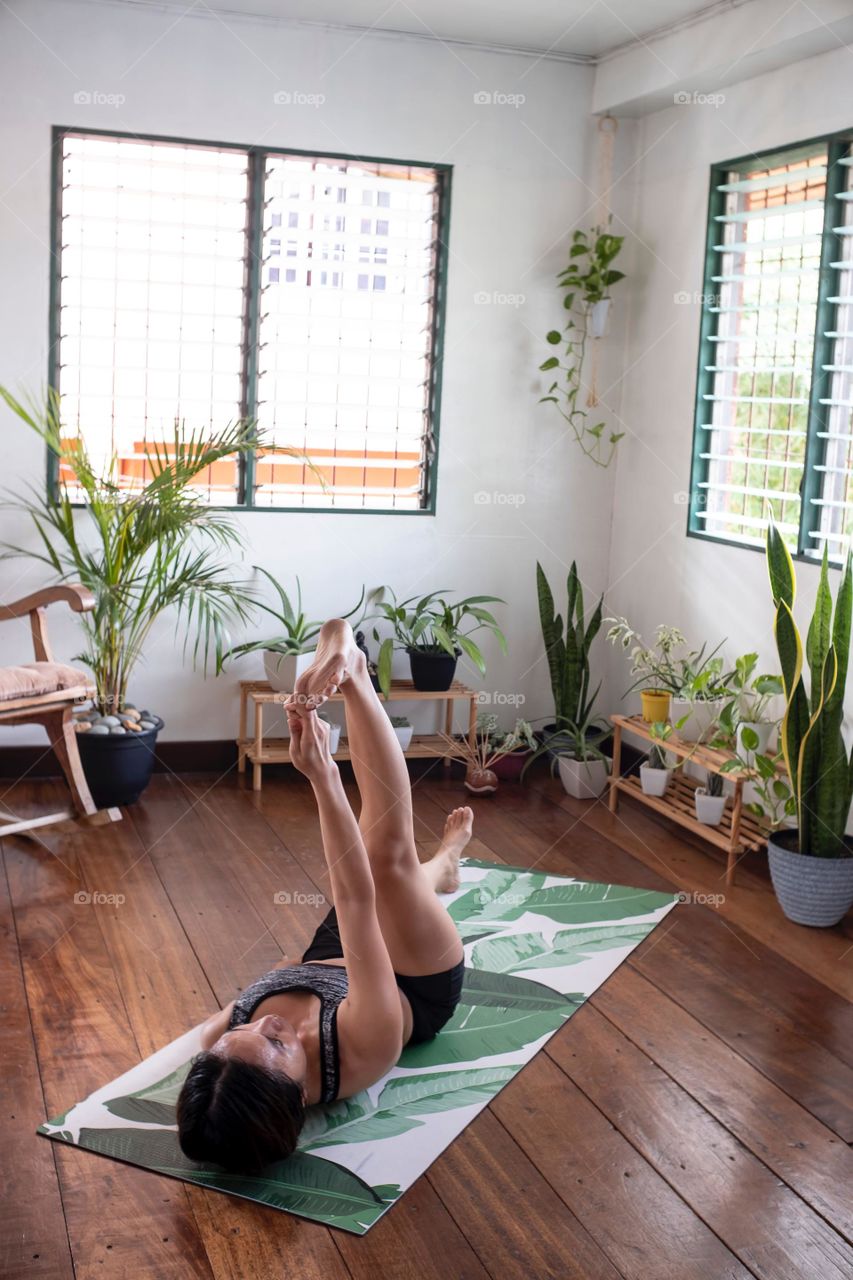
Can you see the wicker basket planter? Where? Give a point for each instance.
(812, 891)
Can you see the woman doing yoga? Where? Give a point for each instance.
(384, 968)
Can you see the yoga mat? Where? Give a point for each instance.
(536, 946)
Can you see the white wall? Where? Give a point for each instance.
(657, 574)
(518, 190)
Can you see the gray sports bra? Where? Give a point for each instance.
(330, 984)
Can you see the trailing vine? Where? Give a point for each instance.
(584, 285)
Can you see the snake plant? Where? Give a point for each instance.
(819, 766)
(567, 650)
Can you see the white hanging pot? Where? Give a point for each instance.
(598, 317)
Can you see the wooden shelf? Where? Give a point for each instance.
(277, 750)
(258, 749)
(737, 834)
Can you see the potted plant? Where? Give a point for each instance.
(140, 552)
(586, 283)
(710, 800)
(811, 865)
(665, 669)
(482, 754)
(403, 728)
(656, 773)
(434, 633)
(517, 745)
(290, 650)
(567, 648)
(751, 706)
(584, 767)
(697, 709)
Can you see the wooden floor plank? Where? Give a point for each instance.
(765, 1224)
(740, 1017)
(33, 1240)
(84, 1039)
(646, 1229)
(799, 1149)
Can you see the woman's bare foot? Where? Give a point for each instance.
(444, 866)
(336, 660)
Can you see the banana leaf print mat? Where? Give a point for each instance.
(536, 945)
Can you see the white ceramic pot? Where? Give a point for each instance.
(701, 718)
(583, 779)
(654, 781)
(404, 735)
(334, 736)
(598, 316)
(709, 809)
(763, 731)
(283, 669)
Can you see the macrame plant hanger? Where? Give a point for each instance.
(597, 320)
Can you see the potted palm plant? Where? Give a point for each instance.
(811, 865)
(434, 633)
(290, 650)
(140, 552)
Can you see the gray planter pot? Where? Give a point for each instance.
(813, 891)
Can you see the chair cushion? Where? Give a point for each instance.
(34, 679)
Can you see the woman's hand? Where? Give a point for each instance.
(309, 741)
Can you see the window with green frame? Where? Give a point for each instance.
(201, 283)
(773, 427)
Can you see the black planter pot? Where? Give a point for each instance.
(432, 669)
(118, 768)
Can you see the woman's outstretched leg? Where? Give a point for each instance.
(420, 936)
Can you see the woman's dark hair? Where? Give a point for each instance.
(237, 1114)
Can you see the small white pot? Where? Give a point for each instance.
(334, 736)
(598, 317)
(763, 731)
(583, 779)
(283, 669)
(701, 718)
(654, 781)
(404, 735)
(709, 809)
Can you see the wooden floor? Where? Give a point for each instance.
(691, 1120)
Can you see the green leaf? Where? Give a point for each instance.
(584, 903)
(305, 1184)
(513, 953)
(482, 1031)
(554, 337)
(551, 363)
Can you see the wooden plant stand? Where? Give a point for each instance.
(260, 750)
(738, 833)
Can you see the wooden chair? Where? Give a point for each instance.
(46, 692)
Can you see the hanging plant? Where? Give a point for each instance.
(586, 284)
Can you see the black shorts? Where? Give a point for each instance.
(433, 996)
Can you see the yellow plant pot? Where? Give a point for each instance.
(655, 703)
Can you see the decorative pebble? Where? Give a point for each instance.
(147, 724)
(133, 727)
(110, 720)
(82, 726)
(130, 713)
(116, 729)
(130, 706)
(100, 728)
